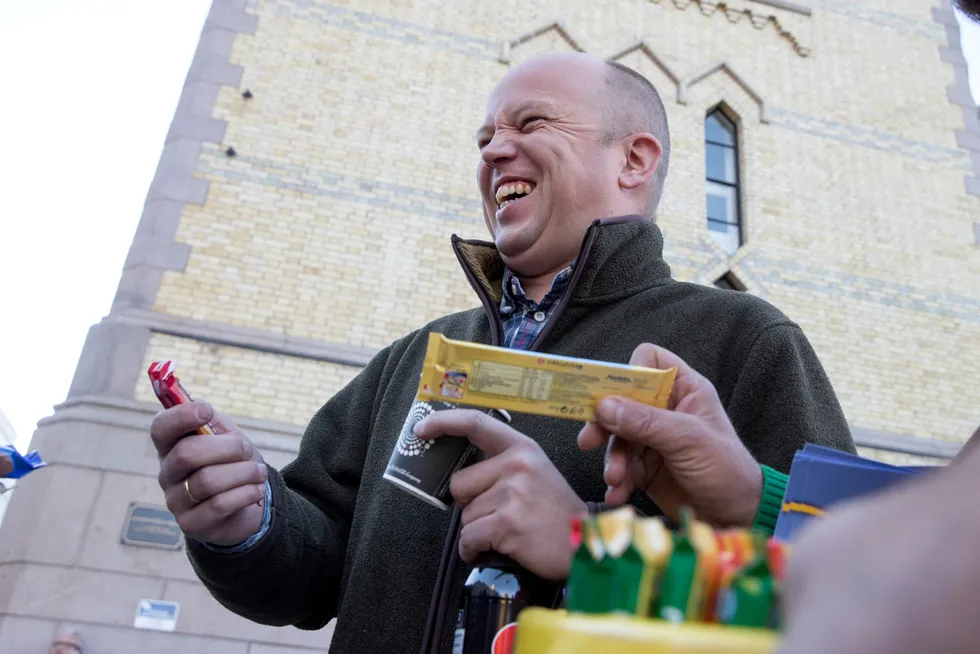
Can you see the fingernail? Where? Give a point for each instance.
(248, 449)
(203, 412)
(419, 428)
(608, 410)
(263, 471)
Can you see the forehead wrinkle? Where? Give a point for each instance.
(534, 104)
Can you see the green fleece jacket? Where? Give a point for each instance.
(345, 543)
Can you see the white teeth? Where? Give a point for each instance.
(507, 190)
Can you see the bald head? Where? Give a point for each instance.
(626, 100)
(631, 105)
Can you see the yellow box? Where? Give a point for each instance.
(540, 631)
(533, 382)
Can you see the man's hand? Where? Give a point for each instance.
(515, 502)
(212, 483)
(897, 573)
(6, 465)
(689, 454)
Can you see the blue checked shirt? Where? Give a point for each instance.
(523, 320)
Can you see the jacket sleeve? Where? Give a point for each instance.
(782, 399)
(292, 576)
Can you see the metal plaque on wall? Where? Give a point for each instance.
(151, 526)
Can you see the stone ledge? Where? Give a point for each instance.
(133, 414)
(904, 444)
(246, 337)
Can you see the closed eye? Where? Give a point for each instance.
(531, 119)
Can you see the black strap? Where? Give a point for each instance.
(432, 636)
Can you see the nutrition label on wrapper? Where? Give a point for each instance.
(511, 381)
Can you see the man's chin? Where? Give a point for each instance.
(512, 243)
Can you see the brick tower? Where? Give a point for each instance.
(826, 156)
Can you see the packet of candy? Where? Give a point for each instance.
(588, 579)
(169, 390)
(751, 598)
(533, 382)
(24, 464)
(681, 591)
(622, 560)
(652, 543)
(735, 550)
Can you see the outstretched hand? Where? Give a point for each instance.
(687, 454)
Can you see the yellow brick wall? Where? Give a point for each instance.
(356, 162)
(244, 382)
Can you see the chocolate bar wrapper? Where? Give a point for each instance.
(24, 464)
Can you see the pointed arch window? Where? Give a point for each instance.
(722, 180)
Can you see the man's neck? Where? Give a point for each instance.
(536, 287)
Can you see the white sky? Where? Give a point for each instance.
(87, 92)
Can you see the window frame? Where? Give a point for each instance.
(727, 116)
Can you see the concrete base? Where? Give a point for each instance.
(63, 565)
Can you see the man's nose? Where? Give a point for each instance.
(500, 149)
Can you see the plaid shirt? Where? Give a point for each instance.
(523, 319)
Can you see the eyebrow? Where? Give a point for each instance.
(534, 105)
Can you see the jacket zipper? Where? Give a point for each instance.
(449, 563)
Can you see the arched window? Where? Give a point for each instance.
(721, 172)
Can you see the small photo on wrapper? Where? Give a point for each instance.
(453, 384)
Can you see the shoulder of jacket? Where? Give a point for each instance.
(751, 310)
(449, 324)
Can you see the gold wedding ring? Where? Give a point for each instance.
(190, 495)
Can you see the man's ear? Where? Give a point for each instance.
(642, 158)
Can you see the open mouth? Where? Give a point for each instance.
(508, 194)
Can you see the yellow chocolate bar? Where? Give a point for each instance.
(533, 382)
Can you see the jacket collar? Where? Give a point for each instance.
(619, 258)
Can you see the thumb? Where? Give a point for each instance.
(659, 429)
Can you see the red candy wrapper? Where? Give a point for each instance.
(168, 389)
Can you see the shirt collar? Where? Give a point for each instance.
(513, 294)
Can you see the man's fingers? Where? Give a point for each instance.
(214, 480)
(617, 460)
(222, 423)
(592, 437)
(483, 504)
(616, 495)
(639, 423)
(653, 356)
(487, 433)
(172, 424)
(6, 465)
(478, 537)
(209, 514)
(474, 480)
(195, 452)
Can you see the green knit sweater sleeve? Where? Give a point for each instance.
(773, 489)
(292, 575)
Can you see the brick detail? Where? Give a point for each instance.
(759, 20)
(959, 94)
